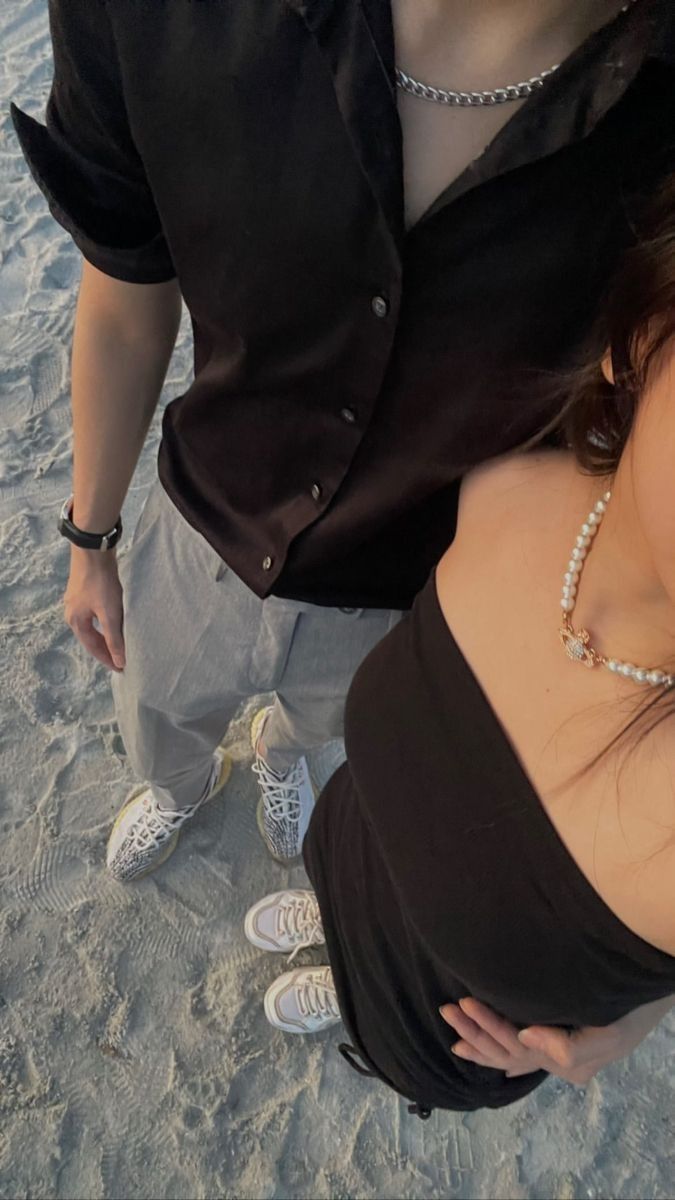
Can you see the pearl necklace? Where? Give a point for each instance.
(576, 642)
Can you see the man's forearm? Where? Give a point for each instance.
(122, 345)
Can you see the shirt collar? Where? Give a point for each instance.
(357, 42)
(589, 83)
(357, 39)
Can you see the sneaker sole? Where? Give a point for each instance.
(161, 858)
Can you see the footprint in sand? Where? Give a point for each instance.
(55, 881)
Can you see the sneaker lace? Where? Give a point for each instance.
(156, 824)
(316, 996)
(280, 792)
(299, 921)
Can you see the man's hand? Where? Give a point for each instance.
(93, 605)
(490, 1040)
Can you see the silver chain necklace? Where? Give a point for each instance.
(513, 91)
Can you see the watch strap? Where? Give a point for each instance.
(80, 537)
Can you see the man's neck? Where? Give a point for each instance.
(496, 29)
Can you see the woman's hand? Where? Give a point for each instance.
(492, 1041)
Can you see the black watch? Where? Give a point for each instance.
(88, 541)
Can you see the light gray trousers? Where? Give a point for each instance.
(199, 643)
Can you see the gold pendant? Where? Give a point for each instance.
(576, 645)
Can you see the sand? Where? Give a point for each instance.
(135, 1060)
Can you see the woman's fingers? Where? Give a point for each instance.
(482, 1027)
(498, 1028)
(462, 1050)
(492, 1041)
(488, 1039)
(474, 1038)
(453, 1015)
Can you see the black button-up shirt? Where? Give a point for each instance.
(347, 372)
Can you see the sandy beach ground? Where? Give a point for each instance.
(135, 1060)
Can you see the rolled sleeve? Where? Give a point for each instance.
(84, 159)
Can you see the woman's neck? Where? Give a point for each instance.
(622, 599)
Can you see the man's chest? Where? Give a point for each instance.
(439, 143)
(281, 167)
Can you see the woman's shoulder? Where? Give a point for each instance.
(505, 485)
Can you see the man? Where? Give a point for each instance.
(377, 273)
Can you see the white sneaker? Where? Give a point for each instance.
(286, 803)
(285, 921)
(303, 1001)
(145, 835)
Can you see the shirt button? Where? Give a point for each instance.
(348, 415)
(316, 491)
(380, 306)
(267, 563)
(347, 610)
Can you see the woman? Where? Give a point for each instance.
(498, 831)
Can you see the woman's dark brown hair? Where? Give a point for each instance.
(636, 323)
